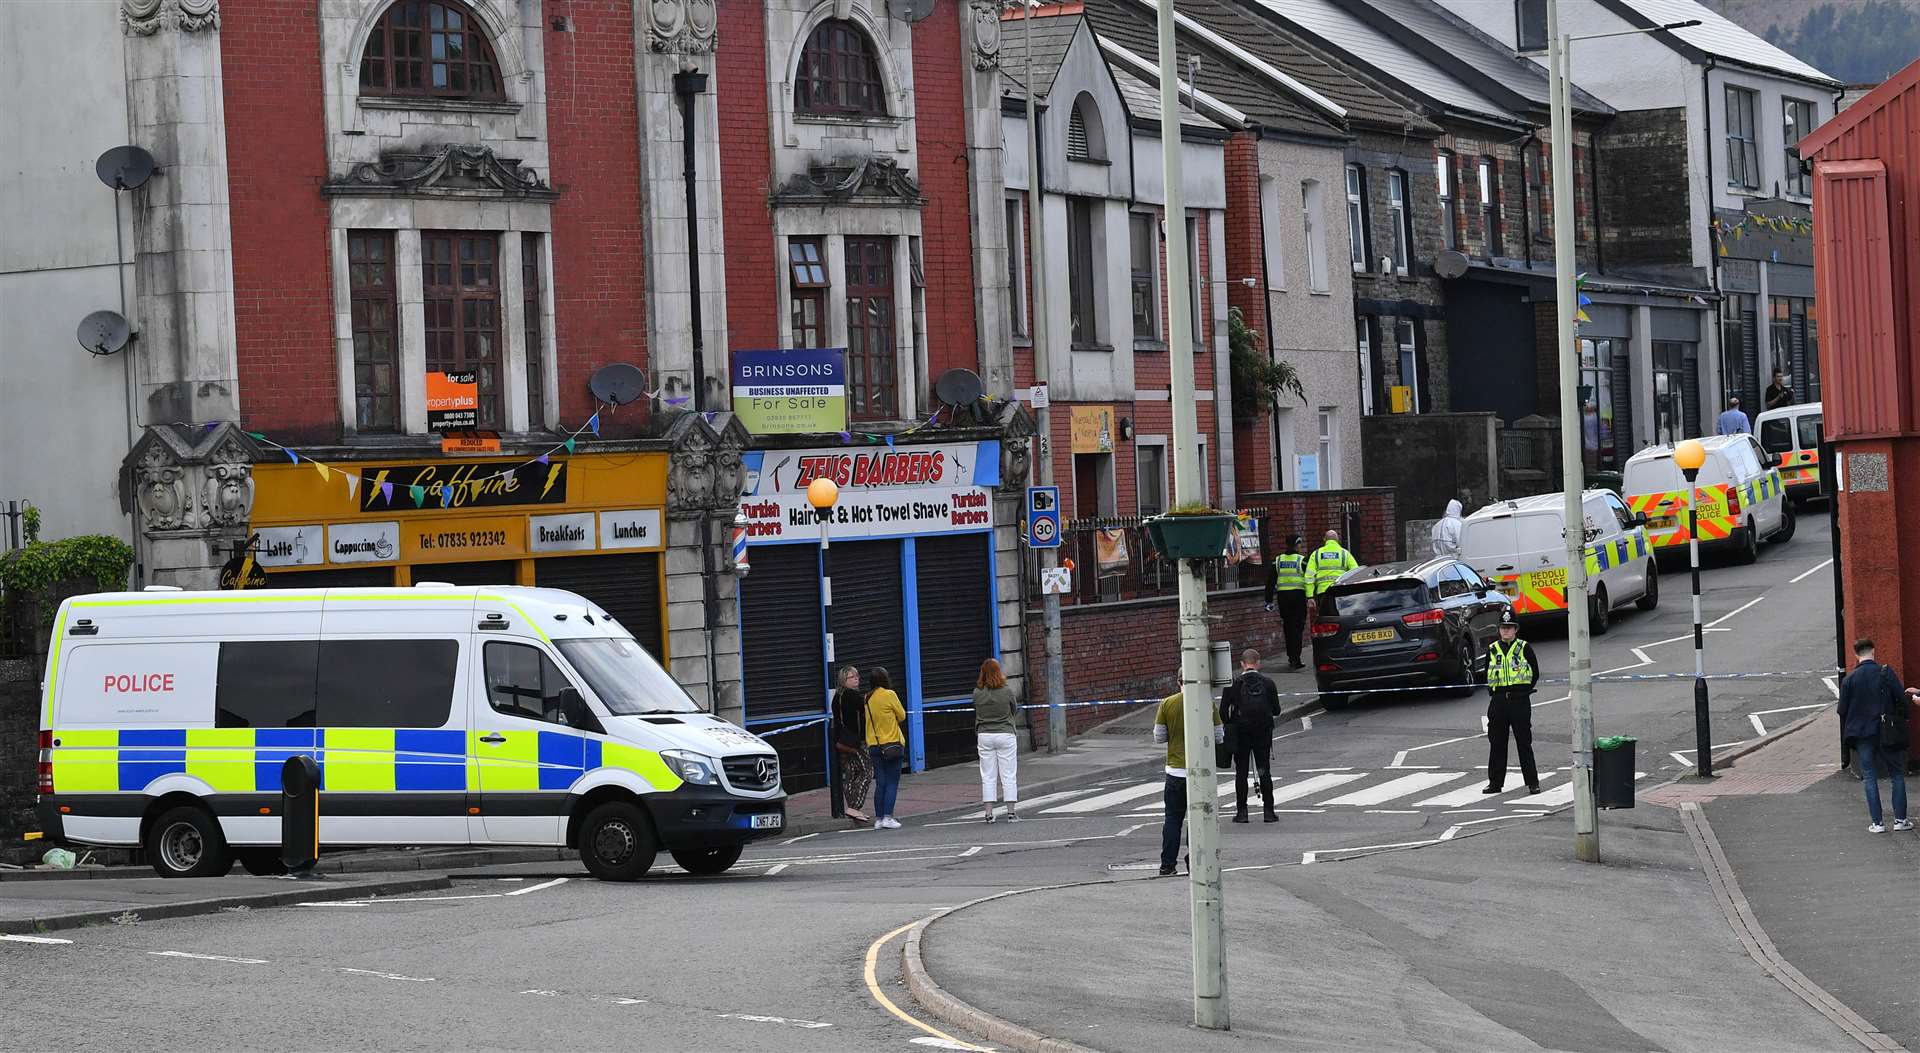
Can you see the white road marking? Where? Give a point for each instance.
(1131, 829)
(938, 1043)
(542, 992)
(1416, 767)
(975, 850)
(1465, 811)
(536, 888)
(32, 939)
(1301, 811)
(417, 899)
(1308, 771)
(802, 837)
(1107, 800)
(1308, 858)
(776, 868)
(1468, 794)
(1735, 611)
(510, 879)
(1394, 789)
(1393, 811)
(1400, 758)
(338, 903)
(209, 957)
(1308, 787)
(390, 976)
(1811, 571)
(789, 1022)
(1833, 685)
(1056, 798)
(629, 1001)
(1761, 729)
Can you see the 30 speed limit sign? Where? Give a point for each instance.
(1043, 517)
(1044, 531)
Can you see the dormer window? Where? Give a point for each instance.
(432, 49)
(839, 75)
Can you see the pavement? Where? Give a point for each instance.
(1494, 942)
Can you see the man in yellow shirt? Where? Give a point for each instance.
(1169, 727)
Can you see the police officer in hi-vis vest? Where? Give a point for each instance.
(1288, 584)
(1512, 670)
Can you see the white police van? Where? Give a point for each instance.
(437, 715)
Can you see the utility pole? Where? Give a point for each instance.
(1586, 819)
(1042, 416)
(1203, 826)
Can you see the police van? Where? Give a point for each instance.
(1520, 546)
(1792, 433)
(1742, 497)
(437, 715)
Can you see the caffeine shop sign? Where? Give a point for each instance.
(470, 484)
(884, 491)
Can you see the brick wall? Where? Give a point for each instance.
(1643, 192)
(276, 164)
(740, 68)
(1132, 649)
(599, 260)
(1311, 513)
(940, 66)
(1246, 256)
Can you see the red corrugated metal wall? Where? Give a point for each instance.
(1863, 372)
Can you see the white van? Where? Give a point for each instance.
(1520, 546)
(1742, 498)
(1792, 433)
(438, 715)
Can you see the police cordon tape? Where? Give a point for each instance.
(1601, 678)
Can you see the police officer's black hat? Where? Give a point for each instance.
(1295, 540)
(1507, 618)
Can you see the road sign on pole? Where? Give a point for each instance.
(1043, 517)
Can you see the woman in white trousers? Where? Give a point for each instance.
(994, 708)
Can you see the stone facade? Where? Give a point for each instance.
(1643, 195)
(1382, 293)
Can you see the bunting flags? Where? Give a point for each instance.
(1726, 231)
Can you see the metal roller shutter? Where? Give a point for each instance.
(782, 655)
(627, 587)
(956, 635)
(1690, 388)
(1750, 381)
(870, 610)
(1623, 434)
(496, 572)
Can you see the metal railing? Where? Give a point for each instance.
(1113, 560)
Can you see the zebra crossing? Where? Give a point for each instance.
(1315, 791)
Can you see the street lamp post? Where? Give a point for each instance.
(822, 495)
(1689, 456)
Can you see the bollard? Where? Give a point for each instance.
(300, 816)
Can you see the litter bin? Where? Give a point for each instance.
(1613, 771)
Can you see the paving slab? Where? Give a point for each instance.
(1492, 942)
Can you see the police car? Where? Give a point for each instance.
(438, 715)
(1520, 546)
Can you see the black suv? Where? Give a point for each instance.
(1403, 625)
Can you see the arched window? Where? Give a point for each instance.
(1086, 139)
(839, 75)
(430, 48)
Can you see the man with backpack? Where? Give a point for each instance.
(1250, 706)
(1873, 723)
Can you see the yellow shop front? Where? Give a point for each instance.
(594, 524)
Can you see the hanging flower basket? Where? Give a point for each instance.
(1202, 535)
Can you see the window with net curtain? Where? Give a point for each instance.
(430, 49)
(839, 74)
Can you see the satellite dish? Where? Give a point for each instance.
(125, 167)
(1451, 264)
(912, 10)
(618, 383)
(104, 332)
(959, 387)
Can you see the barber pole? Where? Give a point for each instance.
(738, 541)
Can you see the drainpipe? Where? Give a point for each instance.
(1713, 255)
(688, 84)
(1526, 202)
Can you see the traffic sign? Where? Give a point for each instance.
(1043, 517)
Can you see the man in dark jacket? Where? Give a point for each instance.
(1250, 705)
(1870, 693)
(1512, 671)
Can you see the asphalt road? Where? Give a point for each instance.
(773, 955)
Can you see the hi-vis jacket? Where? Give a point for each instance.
(1326, 565)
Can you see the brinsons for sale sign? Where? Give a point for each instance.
(797, 391)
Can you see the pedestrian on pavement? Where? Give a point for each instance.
(1512, 671)
(886, 744)
(1251, 705)
(1170, 727)
(1325, 566)
(850, 743)
(1779, 393)
(994, 706)
(1873, 722)
(1733, 421)
(1446, 532)
(1287, 585)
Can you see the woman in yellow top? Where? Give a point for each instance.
(886, 743)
